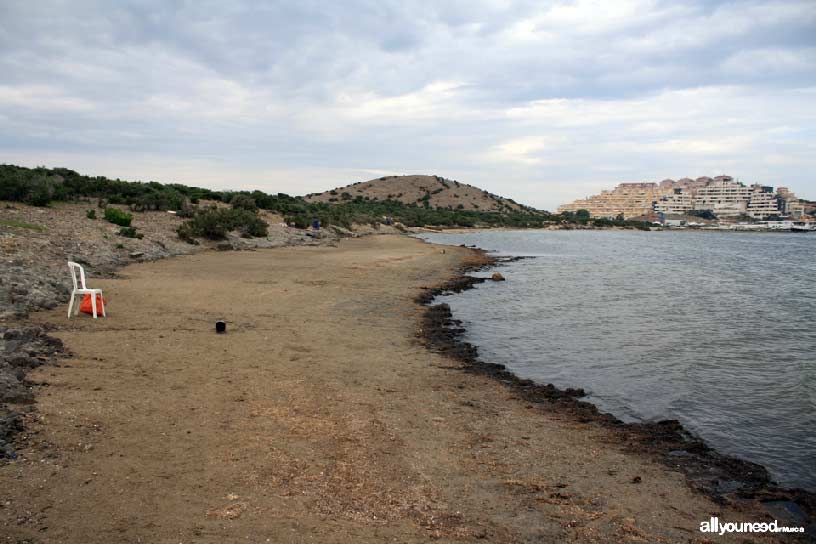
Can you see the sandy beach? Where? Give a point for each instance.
(320, 416)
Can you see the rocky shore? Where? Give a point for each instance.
(726, 479)
(318, 416)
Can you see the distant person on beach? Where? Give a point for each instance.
(316, 224)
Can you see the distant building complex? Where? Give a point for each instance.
(723, 196)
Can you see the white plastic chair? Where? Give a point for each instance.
(81, 289)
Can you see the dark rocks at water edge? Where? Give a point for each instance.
(456, 285)
(21, 349)
(722, 477)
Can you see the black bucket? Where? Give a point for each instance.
(220, 326)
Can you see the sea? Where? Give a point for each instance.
(714, 329)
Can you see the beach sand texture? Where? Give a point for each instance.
(318, 417)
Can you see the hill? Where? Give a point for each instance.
(427, 191)
(418, 200)
(412, 201)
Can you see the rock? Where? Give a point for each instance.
(497, 277)
(24, 361)
(223, 246)
(136, 254)
(10, 424)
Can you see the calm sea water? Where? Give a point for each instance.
(717, 330)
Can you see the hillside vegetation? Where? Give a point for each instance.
(414, 201)
(426, 191)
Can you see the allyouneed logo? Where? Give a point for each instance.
(714, 526)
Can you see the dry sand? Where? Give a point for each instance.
(318, 417)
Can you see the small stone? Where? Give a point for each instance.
(136, 254)
(497, 277)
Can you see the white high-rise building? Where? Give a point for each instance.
(763, 202)
(723, 196)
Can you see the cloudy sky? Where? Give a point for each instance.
(540, 101)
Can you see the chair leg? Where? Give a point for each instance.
(103, 305)
(93, 304)
(71, 305)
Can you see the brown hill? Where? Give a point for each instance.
(437, 191)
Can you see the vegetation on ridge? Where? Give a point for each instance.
(40, 186)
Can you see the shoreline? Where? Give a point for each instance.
(724, 478)
(319, 412)
(466, 230)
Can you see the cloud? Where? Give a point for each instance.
(536, 100)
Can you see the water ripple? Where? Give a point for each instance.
(714, 329)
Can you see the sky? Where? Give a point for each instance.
(540, 101)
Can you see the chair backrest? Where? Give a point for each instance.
(74, 267)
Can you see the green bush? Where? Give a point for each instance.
(214, 224)
(90, 214)
(118, 217)
(41, 185)
(243, 202)
(130, 232)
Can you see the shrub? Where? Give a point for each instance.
(90, 214)
(186, 209)
(42, 192)
(118, 217)
(120, 246)
(186, 233)
(244, 202)
(214, 224)
(130, 232)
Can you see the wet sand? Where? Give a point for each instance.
(319, 417)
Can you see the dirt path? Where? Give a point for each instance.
(318, 417)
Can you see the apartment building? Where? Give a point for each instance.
(723, 195)
(678, 201)
(789, 203)
(627, 199)
(763, 202)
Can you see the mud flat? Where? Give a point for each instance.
(320, 416)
